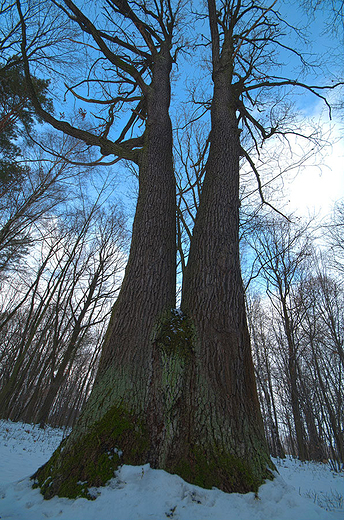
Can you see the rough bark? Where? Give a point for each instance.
(227, 421)
(173, 389)
(117, 412)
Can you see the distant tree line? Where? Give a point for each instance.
(62, 262)
(296, 314)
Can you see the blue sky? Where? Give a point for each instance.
(320, 181)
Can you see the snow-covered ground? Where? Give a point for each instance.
(140, 493)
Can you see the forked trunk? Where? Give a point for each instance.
(175, 390)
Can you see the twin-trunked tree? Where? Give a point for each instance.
(175, 389)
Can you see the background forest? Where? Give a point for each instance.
(65, 220)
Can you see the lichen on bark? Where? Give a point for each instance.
(183, 426)
(174, 334)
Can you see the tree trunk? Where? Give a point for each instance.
(293, 383)
(175, 390)
(227, 426)
(337, 432)
(278, 444)
(116, 416)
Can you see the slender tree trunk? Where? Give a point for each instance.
(336, 432)
(257, 328)
(293, 377)
(279, 448)
(291, 441)
(72, 347)
(227, 423)
(272, 426)
(119, 413)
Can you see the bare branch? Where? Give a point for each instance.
(106, 146)
(254, 169)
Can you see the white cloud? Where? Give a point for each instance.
(317, 186)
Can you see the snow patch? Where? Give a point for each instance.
(141, 493)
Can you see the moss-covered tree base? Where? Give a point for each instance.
(118, 438)
(94, 460)
(180, 429)
(222, 470)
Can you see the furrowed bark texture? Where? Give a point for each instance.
(175, 389)
(227, 420)
(126, 392)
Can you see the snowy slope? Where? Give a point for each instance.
(140, 493)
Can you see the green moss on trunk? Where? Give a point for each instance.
(118, 438)
(179, 426)
(174, 334)
(221, 470)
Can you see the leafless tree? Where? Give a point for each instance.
(70, 297)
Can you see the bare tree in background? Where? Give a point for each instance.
(67, 295)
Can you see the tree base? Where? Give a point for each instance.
(222, 471)
(118, 438)
(121, 438)
(178, 426)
